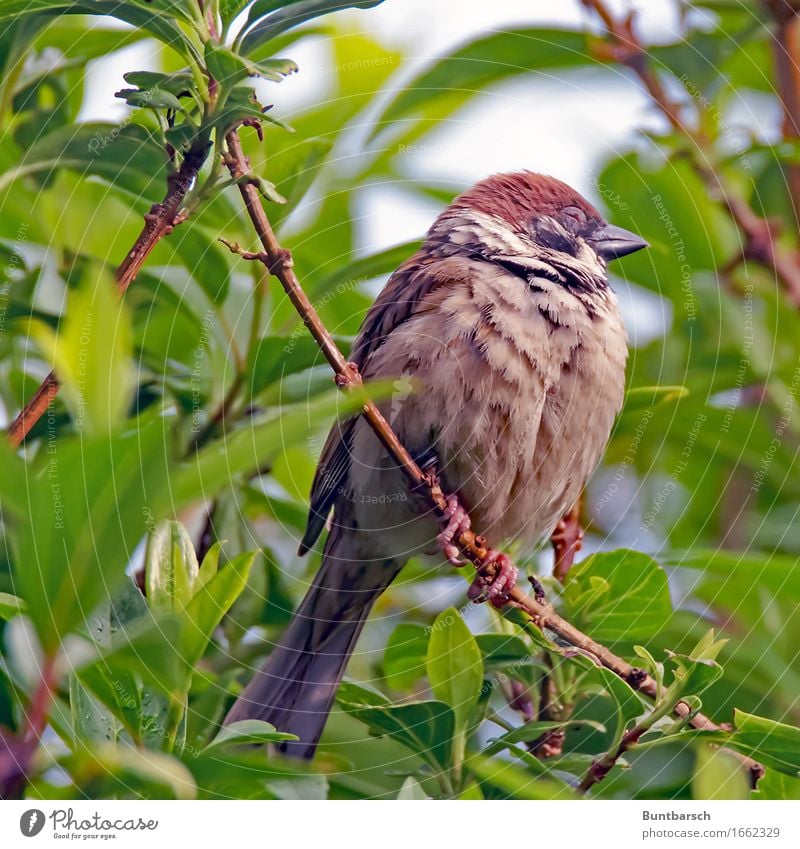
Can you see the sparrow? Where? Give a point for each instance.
(508, 352)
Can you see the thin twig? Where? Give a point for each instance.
(786, 49)
(760, 236)
(16, 751)
(278, 261)
(601, 767)
(566, 540)
(158, 222)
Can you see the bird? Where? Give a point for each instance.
(508, 352)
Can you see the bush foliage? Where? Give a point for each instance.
(178, 455)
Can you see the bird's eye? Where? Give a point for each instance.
(574, 217)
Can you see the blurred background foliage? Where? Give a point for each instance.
(201, 400)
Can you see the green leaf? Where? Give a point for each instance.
(426, 728)
(176, 84)
(88, 509)
(211, 602)
(694, 675)
(247, 731)
(451, 81)
(223, 462)
(513, 782)
(10, 606)
(14, 8)
(171, 568)
(617, 595)
(412, 791)
(504, 650)
(363, 269)
(149, 99)
(454, 665)
(125, 156)
(776, 785)
(644, 397)
(627, 702)
(405, 655)
(224, 65)
(91, 354)
(259, 29)
(276, 357)
(718, 774)
(229, 9)
(772, 743)
(122, 765)
(531, 731)
(148, 648)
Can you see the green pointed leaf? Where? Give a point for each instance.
(10, 606)
(171, 568)
(211, 602)
(247, 731)
(126, 156)
(772, 743)
(452, 80)
(454, 665)
(718, 774)
(412, 791)
(644, 397)
(426, 728)
(617, 595)
(405, 655)
(88, 510)
(259, 29)
(513, 782)
(91, 354)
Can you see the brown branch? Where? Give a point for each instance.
(566, 540)
(760, 236)
(601, 767)
(278, 261)
(158, 222)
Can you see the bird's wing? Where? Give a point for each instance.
(398, 301)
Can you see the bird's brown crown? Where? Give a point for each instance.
(521, 196)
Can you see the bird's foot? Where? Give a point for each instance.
(496, 589)
(457, 521)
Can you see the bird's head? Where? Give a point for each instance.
(534, 222)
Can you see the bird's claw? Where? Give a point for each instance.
(495, 590)
(457, 521)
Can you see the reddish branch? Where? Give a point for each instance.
(566, 540)
(786, 48)
(158, 222)
(759, 235)
(16, 751)
(278, 261)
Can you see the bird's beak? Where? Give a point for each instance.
(612, 242)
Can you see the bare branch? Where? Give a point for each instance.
(760, 242)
